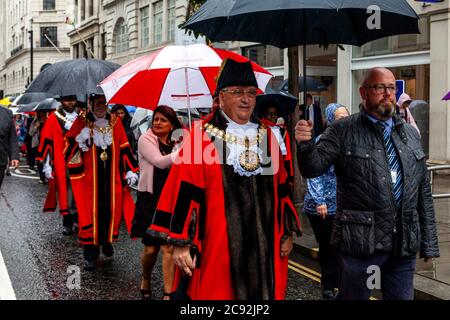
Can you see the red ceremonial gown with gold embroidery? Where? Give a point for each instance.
(236, 222)
(99, 185)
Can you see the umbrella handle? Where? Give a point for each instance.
(186, 80)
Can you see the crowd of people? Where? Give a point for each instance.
(216, 199)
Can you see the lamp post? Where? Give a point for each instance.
(31, 49)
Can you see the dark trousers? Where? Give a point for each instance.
(396, 276)
(31, 155)
(91, 252)
(2, 174)
(327, 255)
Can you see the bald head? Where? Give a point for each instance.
(378, 93)
(374, 74)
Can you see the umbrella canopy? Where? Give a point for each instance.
(72, 77)
(47, 105)
(5, 102)
(280, 22)
(286, 102)
(447, 96)
(31, 97)
(26, 108)
(178, 76)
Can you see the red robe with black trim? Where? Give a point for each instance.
(193, 210)
(52, 143)
(99, 186)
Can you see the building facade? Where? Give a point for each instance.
(25, 22)
(121, 30)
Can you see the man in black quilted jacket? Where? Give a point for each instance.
(385, 212)
(9, 147)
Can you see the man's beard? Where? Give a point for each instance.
(383, 110)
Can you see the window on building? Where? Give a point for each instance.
(397, 44)
(157, 22)
(267, 56)
(82, 10)
(172, 21)
(49, 4)
(91, 8)
(144, 27)
(49, 35)
(104, 46)
(121, 36)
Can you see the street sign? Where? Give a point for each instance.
(429, 1)
(400, 88)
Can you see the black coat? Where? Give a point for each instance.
(366, 219)
(318, 121)
(9, 147)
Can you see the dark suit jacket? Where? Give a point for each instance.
(318, 122)
(9, 146)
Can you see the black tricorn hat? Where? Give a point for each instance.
(67, 97)
(233, 73)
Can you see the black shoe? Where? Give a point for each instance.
(8, 173)
(90, 265)
(67, 230)
(328, 294)
(108, 250)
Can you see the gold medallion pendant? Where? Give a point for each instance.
(249, 160)
(104, 155)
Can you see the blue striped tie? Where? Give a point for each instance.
(394, 165)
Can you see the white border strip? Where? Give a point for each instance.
(6, 289)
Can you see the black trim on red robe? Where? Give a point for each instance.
(249, 204)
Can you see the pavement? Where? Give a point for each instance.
(38, 263)
(432, 279)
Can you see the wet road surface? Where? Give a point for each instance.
(43, 264)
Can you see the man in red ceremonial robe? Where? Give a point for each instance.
(51, 152)
(225, 206)
(100, 163)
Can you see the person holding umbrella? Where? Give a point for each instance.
(100, 166)
(225, 206)
(385, 212)
(9, 147)
(51, 153)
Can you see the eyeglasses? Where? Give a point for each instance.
(381, 88)
(238, 93)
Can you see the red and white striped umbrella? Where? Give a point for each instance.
(177, 76)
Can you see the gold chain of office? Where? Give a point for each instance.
(248, 159)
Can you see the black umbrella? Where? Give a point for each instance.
(285, 101)
(47, 105)
(281, 22)
(288, 23)
(73, 77)
(24, 108)
(31, 97)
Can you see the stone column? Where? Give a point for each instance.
(439, 86)
(344, 77)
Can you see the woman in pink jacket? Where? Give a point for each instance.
(156, 154)
(402, 110)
